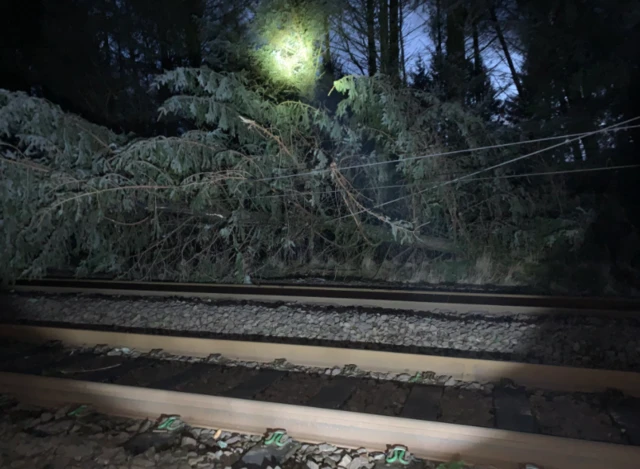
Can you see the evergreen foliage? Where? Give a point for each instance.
(256, 189)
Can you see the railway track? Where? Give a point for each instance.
(498, 413)
(409, 299)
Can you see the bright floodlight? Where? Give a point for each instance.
(292, 56)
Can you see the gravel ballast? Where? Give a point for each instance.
(582, 341)
(54, 438)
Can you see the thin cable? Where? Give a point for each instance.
(504, 163)
(399, 186)
(613, 128)
(510, 176)
(551, 173)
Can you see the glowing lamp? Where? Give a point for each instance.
(292, 56)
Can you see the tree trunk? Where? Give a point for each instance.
(438, 27)
(394, 43)
(121, 66)
(581, 121)
(165, 60)
(478, 83)
(326, 54)
(564, 109)
(371, 37)
(192, 33)
(384, 36)
(505, 49)
(403, 60)
(477, 58)
(377, 233)
(455, 74)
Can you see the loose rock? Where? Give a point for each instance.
(326, 448)
(612, 342)
(345, 461)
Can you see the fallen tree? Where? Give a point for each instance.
(258, 182)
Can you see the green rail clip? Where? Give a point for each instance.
(275, 438)
(169, 423)
(80, 411)
(398, 455)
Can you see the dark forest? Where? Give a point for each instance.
(425, 142)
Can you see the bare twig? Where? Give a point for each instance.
(127, 224)
(30, 164)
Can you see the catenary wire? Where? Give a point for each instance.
(613, 128)
(504, 163)
(399, 186)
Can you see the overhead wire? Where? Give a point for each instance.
(552, 173)
(469, 178)
(504, 163)
(612, 128)
(578, 136)
(506, 176)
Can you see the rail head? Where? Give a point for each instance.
(560, 378)
(405, 300)
(433, 440)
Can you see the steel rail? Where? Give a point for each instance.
(412, 300)
(560, 378)
(433, 440)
